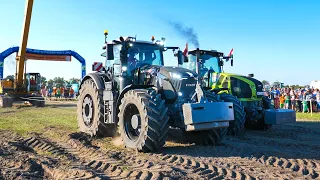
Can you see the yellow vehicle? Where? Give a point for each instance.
(24, 86)
(6, 85)
(29, 92)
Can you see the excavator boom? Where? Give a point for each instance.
(22, 50)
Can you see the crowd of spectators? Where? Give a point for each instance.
(58, 92)
(300, 99)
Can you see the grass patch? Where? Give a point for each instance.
(308, 116)
(27, 120)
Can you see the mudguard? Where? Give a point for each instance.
(97, 78)
(279, 116)
(209, 115)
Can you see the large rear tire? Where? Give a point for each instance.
(91, 111)
(237, 125)
(143, 120)
(211, 137)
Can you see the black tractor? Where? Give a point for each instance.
(138, 97)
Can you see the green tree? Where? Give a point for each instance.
(43, 80)
(276, 84)
(58, 80)
(265, 82)
(50, 82)
(74, 80)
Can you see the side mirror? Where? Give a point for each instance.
(110, 55)
(180, 57)
(185, 59)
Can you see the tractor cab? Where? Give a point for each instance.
(33, 82)
(211, 62)
(130, 61)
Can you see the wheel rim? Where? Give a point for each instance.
(87, 110)
(132, 122)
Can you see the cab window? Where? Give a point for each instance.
(226, 83)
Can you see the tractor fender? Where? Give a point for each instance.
(126, 89)
(97, 78)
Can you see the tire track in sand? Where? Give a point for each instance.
(305, 167)
(99, 164)
(191, 167)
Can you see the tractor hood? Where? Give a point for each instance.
(177, 72)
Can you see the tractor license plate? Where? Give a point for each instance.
(260, 93)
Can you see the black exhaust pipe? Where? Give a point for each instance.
(251, 75)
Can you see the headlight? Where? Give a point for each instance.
(175, 76)
(124, 68)
(179, 93)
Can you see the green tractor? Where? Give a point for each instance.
(252, 109)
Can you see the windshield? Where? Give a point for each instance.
(140, 54)
(210, 63)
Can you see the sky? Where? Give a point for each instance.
(275, 40)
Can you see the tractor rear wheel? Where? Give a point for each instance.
(237, 125)
(208, 137)
(143, 120)
(91, 111)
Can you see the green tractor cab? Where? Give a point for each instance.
(247, 92)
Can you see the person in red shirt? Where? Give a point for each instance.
(62, 91)
(32, 81)
(71, 92)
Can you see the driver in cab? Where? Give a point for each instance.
(134, 63)
(32, 81)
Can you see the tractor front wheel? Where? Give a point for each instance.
(143, 120)
(91, 111)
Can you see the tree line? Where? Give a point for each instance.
(278, 84)
(54, 81)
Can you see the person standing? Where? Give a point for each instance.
(293, 99)
(282, 100)
(55, 92)
(66, 93)
(62, 91)
(43, 91)
(276, 95)
(58, 93)
(50, 92)
(318, 99)
(71, 92)
(299, 100)
(287, 101)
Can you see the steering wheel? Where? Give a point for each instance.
(137, 64)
